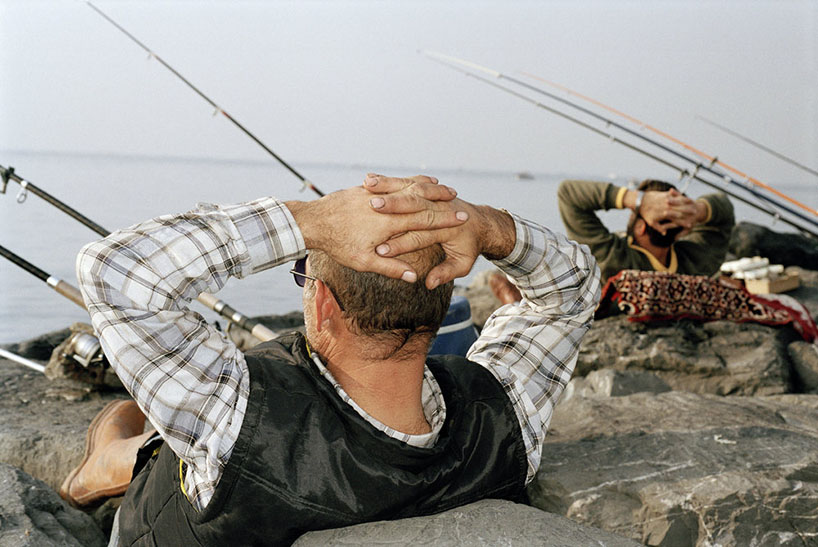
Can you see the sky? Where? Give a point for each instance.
(342, 81)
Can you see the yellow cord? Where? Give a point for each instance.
(182, 478)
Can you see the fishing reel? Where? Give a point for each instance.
(79, 357)
(85, 349)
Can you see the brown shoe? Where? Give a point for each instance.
(503, 289)
(110, 453)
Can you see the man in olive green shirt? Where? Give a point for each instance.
(667, 232)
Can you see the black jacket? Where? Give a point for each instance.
(305, 460)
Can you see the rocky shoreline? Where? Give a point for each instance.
(678, 433)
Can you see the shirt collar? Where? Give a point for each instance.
(654, 262)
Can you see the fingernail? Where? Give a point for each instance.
(409, 277)
(432, 283)
(377, 203)
(382, 249)
(462, 215)
(434, 180)
(452, 191)
(370, 180)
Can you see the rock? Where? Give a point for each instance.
(39, 348)
(719, 357)
(807, 292)
(614, 383)
(41, 432)
(805, 365)
(790, 249)
(686, 469)
(482, 301)
(32, 514)
(64, 364)
(486, 522)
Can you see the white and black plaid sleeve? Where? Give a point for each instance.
(531, 347)
(187, 377)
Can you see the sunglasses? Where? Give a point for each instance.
(299, 271)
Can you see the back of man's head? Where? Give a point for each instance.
(656, 237)
(375, 305)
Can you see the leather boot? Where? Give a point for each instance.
(113, 438)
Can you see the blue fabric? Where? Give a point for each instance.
(459, 341)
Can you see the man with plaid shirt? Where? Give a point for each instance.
(353, 422)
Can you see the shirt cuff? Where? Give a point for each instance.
(620, 198)
(269, 232)
(528, 249)
(709, 210)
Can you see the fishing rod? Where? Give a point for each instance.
(455, 63)
(62, 287)
(713, 160)
(7, 174)
(222, 308)
(22, 360)
(218, 110)
(767, 149)
(83, 347)
(683, 172)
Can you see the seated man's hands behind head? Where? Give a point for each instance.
(671, 209)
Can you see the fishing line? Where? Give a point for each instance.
(450, 61)
(767, 149)
(218, 110)
(222, 308)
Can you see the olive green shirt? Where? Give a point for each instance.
(700, 252)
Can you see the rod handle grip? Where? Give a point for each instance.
(263, 333)
(70, 292)
(251, 325)
(208, 300)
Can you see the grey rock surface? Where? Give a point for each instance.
(32, 514)
(614, 383)
(804, 358)
(485, 523)
(668, 469)
(686, 469)
(789, 248)
(40, 347)
(720, 357)
(807, 292)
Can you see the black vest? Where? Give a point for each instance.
(305, 460)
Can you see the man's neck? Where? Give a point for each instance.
(662, 254)
(389, 390)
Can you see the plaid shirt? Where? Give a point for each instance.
(192, 382)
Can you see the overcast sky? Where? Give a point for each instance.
(342, 81)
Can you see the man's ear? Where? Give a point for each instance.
(640, 227)
(326, 308)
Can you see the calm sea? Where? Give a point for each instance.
(119, 191)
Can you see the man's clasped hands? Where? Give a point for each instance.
(368, 227)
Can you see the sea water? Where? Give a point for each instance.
(118, 191)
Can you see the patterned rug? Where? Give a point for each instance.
(656, 296)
